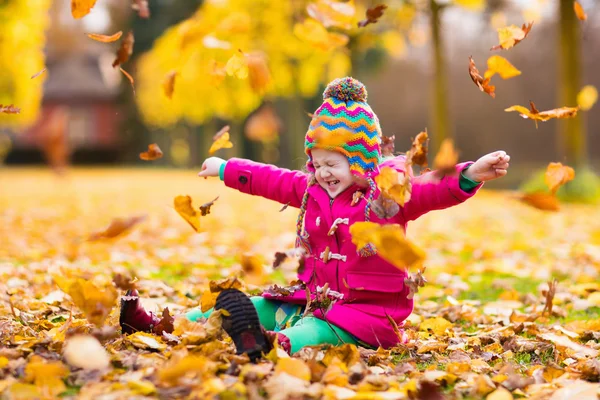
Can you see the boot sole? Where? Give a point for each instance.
(242, 324)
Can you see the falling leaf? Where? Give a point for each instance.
(286, 205)
(154, 153)
(446, 159)
(587, 97)
(385, 207)
(550, 297)
(414, 282)
(390, 242)
(205, 208)
(501, 66)
(237, 66)
(86, 352)
(37, 74)
(54, 141)
(313, 33)
(165, 324)
(388, 146)
(510, 36)
(264, 125)
(81, 8)
(105, 38)
(417, 155)
(169, 83)
(280, 257)
(482, 84)
(124, 282)
(10, 109)
(541, 201)
(46, 375)
(117, 227)
(534, 114)
(579, 12)
(183, 206)
(141, 6)
(394, 185)
(332, 13)
(221, 140)
(326, 139)
(129, 77)
(557, 175)
(125, 50)
(258, 72)
(373, 15)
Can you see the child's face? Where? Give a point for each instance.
(332, 171)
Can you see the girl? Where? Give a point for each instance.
(343, 148)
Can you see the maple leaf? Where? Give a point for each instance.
(105, 38)
(332, 13)
(414, 282)
(417, 154)
(579, 12)
(37, 74)
(501, 66)
(118, 226)
(125, 50)
(221, 140)
(510, 36)
(205, 208)
(129, 78)
(557, 175)
(373, 15)
(237, 65)
(154, 153)
(482, 84)
(264, 125)
(81, 8)
(168, 84)
(258, 72)
(446, 159)
(141, 6)
(388, 146)
(9, 109)
(535, 115)
(541, 201)
(165, 324)
(183, 206)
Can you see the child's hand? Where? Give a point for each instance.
(210, 167)
(488, 167)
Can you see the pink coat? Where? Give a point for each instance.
(372, 287)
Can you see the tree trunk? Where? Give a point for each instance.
(440, 116)
(571, 133)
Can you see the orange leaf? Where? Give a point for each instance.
(125, 50)
(446, 159)
(117, 227)
(264, 125)
(579, 11)
(373, 15)
(417, 154)
(10, 109)
(128, 77)
(482, 84)
(221, 140)
(541, 201)
(534, 114)
(105, 38)
(169, 83)
(510, 36)
(81, 8)
(258, 71)
(154, 153)
(38, 73)
(205, 208)
(141, 6)
(557, 175)
(183, 206)
(394, 185)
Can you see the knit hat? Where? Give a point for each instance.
(344, 123)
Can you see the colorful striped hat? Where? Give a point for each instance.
(346, 123)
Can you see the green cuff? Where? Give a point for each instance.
(466, 184)
(222, 171)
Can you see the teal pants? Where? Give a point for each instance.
(287, 319)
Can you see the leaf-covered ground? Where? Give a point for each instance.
(481, 328)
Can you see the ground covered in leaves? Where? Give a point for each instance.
(483, 326)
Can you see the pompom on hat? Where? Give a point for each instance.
(345, 123)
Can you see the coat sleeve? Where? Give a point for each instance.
(431, 193)
(265, 180)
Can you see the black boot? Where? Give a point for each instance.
(241, 323)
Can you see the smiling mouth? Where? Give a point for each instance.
(332, 183)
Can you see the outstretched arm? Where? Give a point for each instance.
(269, 181)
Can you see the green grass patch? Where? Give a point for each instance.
(589, 313)
(483, 289)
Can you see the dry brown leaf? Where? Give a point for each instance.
(124, 282)
(550, 297)
(129, 77)
(205, 208)
(535, 115)
(141, 6)
(557, 175)
(414, 282)
(165, 324)
(482, 84)
(37, 74)
(221, 140)
(579, 12)
(541, 201)
(373, 15)
(183, 206)
(417, 155)
(125, 50)
(510, 36)
(154, 153)
(446, 159)
(169, 83)
(117, 227)
(9, 109)
(81, 8)
(105, 38)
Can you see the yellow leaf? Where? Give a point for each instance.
(509, 36)
(222, 142)
(335, 374)
(23, 391)
(208, 300)
(81, 8)
(46, 375)
(143, 340)
(394, 185)
(145, 388)
(237, 66)
(446, 158)
(534, 114)
(557, 175)
(190, 332)
(501, 66)
(587, 97)
(500, 394)
(473, 5)
(183, 206)
(438, 325)
(331, 13)
(86, 352)
(294, 367)
(179, 368)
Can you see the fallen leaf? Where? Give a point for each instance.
(579, 12)
(165, 324)
(183, 206)
(437, 325)
(10, 109)
(578, 351)
(557, 175)
(482, 84)
(587, 97)
(141, 6)
(117, 227)
(264, 125)
(46, 375)
(81, 8)
(154, 153)
(501, 66)
(181, 368)
(86, 352)
(207, 300)
(237, 66)
(534, 114)
(221, 141)
(541, 201)
(146, 341)
(205, 208)
(446, 159)
(37, 74)
(227, 283)
(500, 394)
(129, 77)
(168, 84)
(373, 15)
(510, 36)
(294, 367)
(125, 50)
(105, 38)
